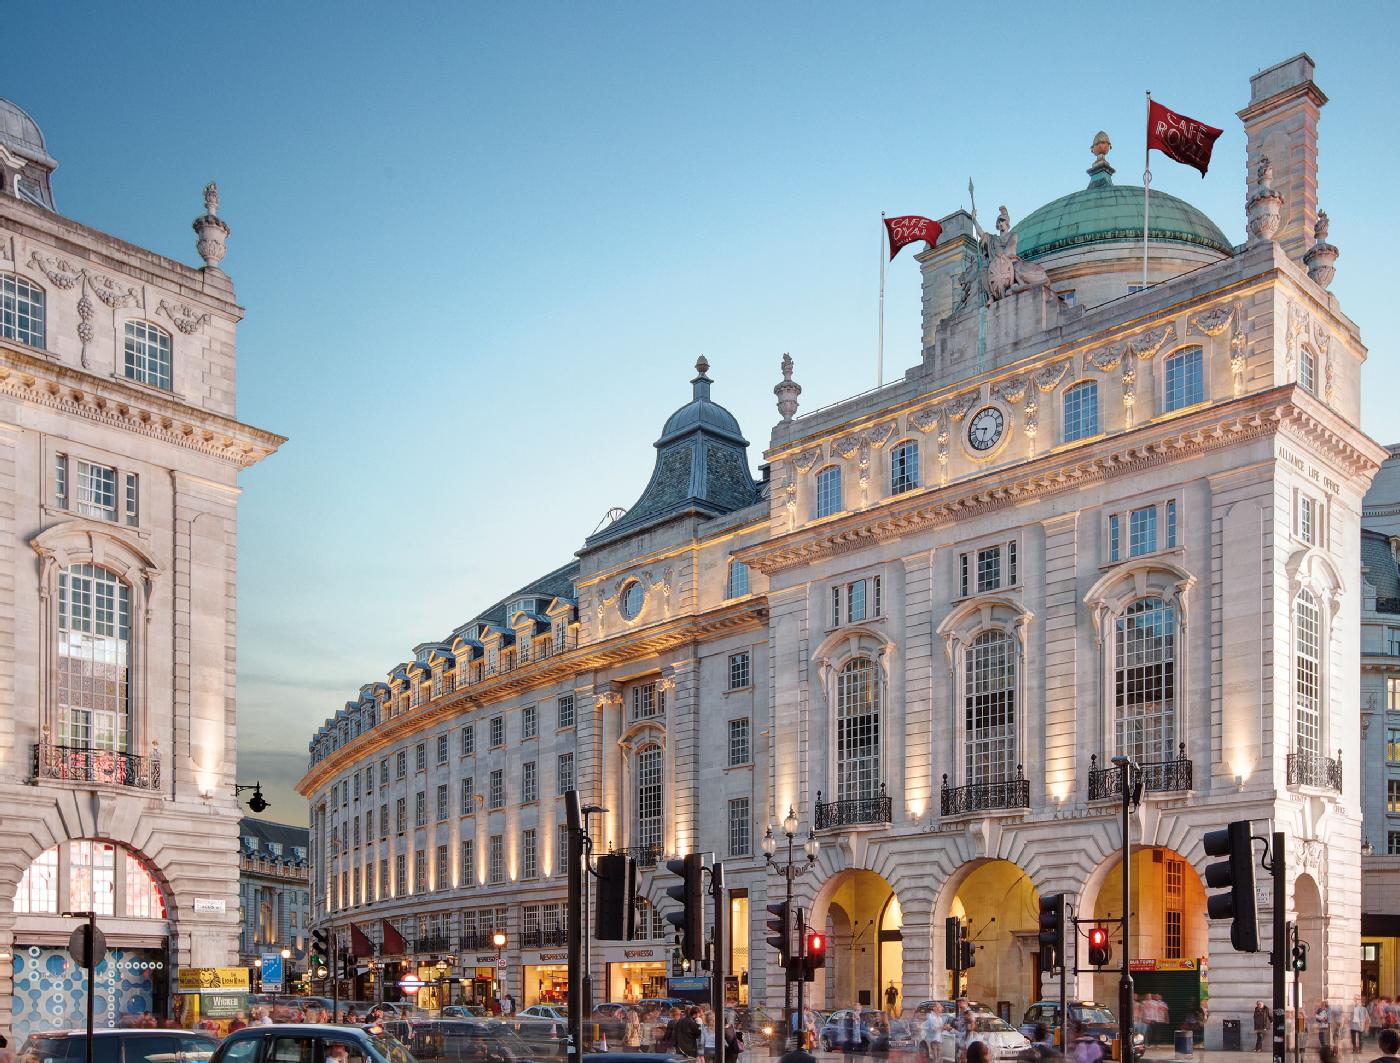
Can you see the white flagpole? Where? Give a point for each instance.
(880, 355)
(1146, 187)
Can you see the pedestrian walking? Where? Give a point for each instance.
(1261, 1024)
(1322, 1023)
(688, 1033)
(632, 1032)
(1360, 1022)
(931, 1033)
(1389, 1043)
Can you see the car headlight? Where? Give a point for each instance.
(1139, 1039)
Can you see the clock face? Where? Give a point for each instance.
(985, 428)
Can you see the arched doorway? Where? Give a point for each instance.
(1170, 942)
(1307, 901)
(865, 953)
(1000, 912)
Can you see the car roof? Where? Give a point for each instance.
(134, 1031)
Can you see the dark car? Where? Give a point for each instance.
(311, 1043)
(635, 1057)
(1097, 1021)
(119, 1046)
(472, 1040)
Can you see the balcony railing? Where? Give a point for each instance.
(985, 796)
(854, 811)
(1313, 769)
(433, 943)
(80, 764)
(644, 855)
(476, 940)
(1158, 777)
(536, 939)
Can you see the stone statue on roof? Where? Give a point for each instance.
(1003, 271)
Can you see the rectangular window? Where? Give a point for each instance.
(1392, 745)
(738, 671)
(529, 854)
(384, 773)
(904, 468)
(401, 815)
(566, 711)
(442, 749)
(383, 878)
(369, 825)
(442, 804)
(740, 832)
(1392, 641)
(1142, 531)
(529, 782)
(133, 500)
(1392, 796)
(420, 870)
(401, 764)
(496, 860)
(738, 741)
(648, 701)
(420, 809)
(561, 850)
(466, 874)
(97, 491)
(369, 779)
(963, 583)
(468, 740)
(401, 875)
(498, 731)
(1392, 843)
(1172, 928)
(1171, 524)
(1309, 520)
(384, 820)
(1113, 537)
(835, 606)
(420, 757)
(566, 772)
(828, 491)
(855, 601)
(1185, 383)
(988, 569)
(442, 878)
(60, 480)
(1392, 693)
(468, 796)
(1011, 572)
(529, 722)
(496, 797)
(738, 580)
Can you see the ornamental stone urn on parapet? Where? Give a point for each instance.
(210, 230)
(787, 390)
(1264, 211)
(1321, 258)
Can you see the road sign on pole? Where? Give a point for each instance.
(272, 971)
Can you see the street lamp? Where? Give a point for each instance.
(499, 940)
(790, 870)
(286, 953)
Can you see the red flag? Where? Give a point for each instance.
(1179, 138)
(359, 944)
(910, 228)
(393, 940)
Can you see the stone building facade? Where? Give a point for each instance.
(119, 459)
(274, 892)
(1096, 518)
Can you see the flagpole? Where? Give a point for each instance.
(1146, 186)
(880, 353)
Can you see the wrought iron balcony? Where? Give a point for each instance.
(1009, 793)
(644, 855)
(854, 811)
(475, 940)
(80, 764)
(1313, 769)
(433, 943)
(535, 938)
(1158, 776)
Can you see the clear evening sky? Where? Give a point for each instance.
(482, 245)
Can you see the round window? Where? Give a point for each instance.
(631, 600)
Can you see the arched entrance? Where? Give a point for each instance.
(1000, 912)
(1170, 942)
(1307, 901)
(865, 953)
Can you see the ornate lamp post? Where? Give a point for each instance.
(790, 870)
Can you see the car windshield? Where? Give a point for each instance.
(1092, 1014)
(989, 1023)
(391, 1048)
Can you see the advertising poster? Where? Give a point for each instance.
(50, 990)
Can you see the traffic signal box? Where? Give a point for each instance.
(1052, 932)
(690, 891)
(1234, 875)
(780, 930)
(1100, 951)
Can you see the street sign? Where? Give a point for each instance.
(78, 946)
(411, 983)
(271, 977)
(210, 904)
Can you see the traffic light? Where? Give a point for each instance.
(690, 920)
(347, 964)
(1100, 951)
(968, 954)
(320, 945)
(1298, 957)
(952, 943)
(1236, 874)
(1052, 931)
(616, 918)
(816, 951)
(320, 970)
(780, 930)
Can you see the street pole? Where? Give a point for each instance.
(335, 962)
(801, 972)
(1073, 939)
(1297, 1003)
(574, 818)
(91, 977)
(1125, 981)
(717, 965)
(1277, 869)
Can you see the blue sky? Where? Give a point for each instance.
(481, 246)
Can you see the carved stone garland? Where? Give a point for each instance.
(65, 276)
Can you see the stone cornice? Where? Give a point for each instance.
(30, 378)
(751, 613)
(1260, 414)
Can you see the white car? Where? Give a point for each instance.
(1003, 1041)
(545, 1011)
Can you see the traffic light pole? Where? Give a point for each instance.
(1125, 981)
(1073, 936)
(1297, 938)
(574, 817)
(717, 964)
(1281, 944)
(801, 974)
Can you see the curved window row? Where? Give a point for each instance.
(90, 875)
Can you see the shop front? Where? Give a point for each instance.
(437, 990)
(484, 979)
(545, 978)
(50, 989)
(636, 972)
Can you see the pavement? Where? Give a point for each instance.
(1164, 1053)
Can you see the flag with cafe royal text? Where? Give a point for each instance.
(911, 228)
(1179, 138)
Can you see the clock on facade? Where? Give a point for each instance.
(985, 428)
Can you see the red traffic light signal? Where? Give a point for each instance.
(816, 949)
(1099, 951)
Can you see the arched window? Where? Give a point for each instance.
(1144, 680)
(857, 730)
(1307, 368)
(21, 310)
(990, 704)
(904, 467)
(1307, 675)
(650, 776)
(828, 491)
(1183, 379)
(94, 659)
(738, 580)
(1081, 409)
(147, 354)
(87, 875)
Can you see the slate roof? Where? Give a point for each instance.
(1381, 570)
(265, 831)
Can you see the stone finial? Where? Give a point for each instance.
(702, 365)
(700, 383)
(1101, 146)
(787, 390)
(1264, 211)
(211, 231)
(1101, 172)
(1321, 258)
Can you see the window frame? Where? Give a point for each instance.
(27, 321)
(904, 467)
(1085, 396)
(828, 492)
(1184, 397)
(137, 357)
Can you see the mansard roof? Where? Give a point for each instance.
(1381, 569)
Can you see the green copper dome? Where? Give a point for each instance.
(1105, 213)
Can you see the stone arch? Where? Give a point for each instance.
(997, 901)
(1312, 928)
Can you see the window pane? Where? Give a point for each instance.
(21, 310)
(904, 467)
(990, 707)
(648, 803)
(1142, 531)
(1184, 383)
(94, 659)
(1081, 411)
(857, 730)
(828, 491)
(147, 354)
(1145, 680)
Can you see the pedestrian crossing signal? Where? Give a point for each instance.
(816, 951)
(1100, 952)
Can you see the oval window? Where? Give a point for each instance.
(631, 600)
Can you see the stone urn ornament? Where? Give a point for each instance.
(211, 230)
(1264, 211)
(787, 390)
(1321, 258)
